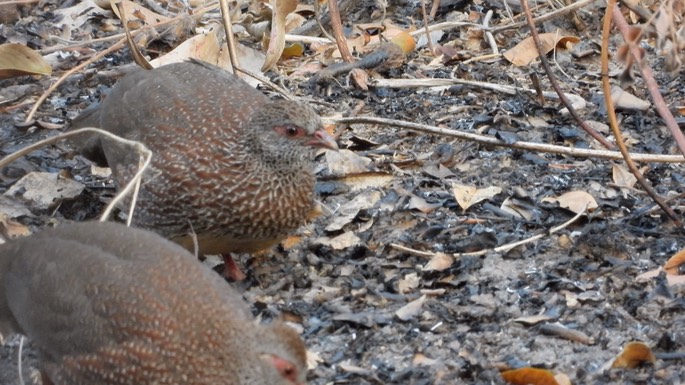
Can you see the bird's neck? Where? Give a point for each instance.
(282, 159)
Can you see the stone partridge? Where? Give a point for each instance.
(95, 302)
(231, 168)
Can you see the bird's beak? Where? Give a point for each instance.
(322, 139)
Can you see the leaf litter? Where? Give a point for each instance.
(426, 313)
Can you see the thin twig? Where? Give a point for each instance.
(307, 39)
(44, 96)
(488, 35)
(425, 26)
(489, 140)
(138, 56)
(20, 361)
(74, 44)
(576, 100)
(8, 2)
(546, 17)
(230, 39)
(268, 83)
(652, 87)
(136, 181)
(613, 11)
(457, 24)
(553, 81)
(336, 24)
(139, 147)
(317, 15)
(499, 249)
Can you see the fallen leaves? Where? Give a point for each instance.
(45, 189)
(281, 9)
(525, 52)
(633, 355)
(411, 310)
(674, 269)
(468, 196)
(622, 176)
(340, 242)
(575, 201)
(529, 376)
(439, 262)
(137, 15)
(20, 60)
(11, 229)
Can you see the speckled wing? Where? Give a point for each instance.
(175, 97)
(81, 287)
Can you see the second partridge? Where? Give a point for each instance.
(99, 307)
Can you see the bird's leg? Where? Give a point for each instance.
(45, 379)
(231, 269)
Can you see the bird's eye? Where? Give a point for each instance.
(289, 130)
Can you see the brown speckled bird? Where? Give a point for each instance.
(93, 299)
(230, 166)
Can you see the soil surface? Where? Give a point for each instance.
(379, 285)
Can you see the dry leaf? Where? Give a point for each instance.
(11, 229)
(409, 283)
(634, 354)
(562, 379)
(576, 201)
(345, 162)
(313, 360)
(360, 78)
(294, 20)
(512, 207)
(627, 101)
(525, 52)
(13, 208)
(20, 60)
(43, 188)
(439, 262)
(346, 213)
(438, 171)
(529, 376)
(340, 242)
(404, 40)
(467, 196)
(74, 17)
(672, 280)
(418, 203)
(571, 299)
(204, 47)
(411, 310)
(434, 37)
(293, 50)
(281, 9)
(622, 176)
(420, 359)
(673, 265)
(137, 12)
